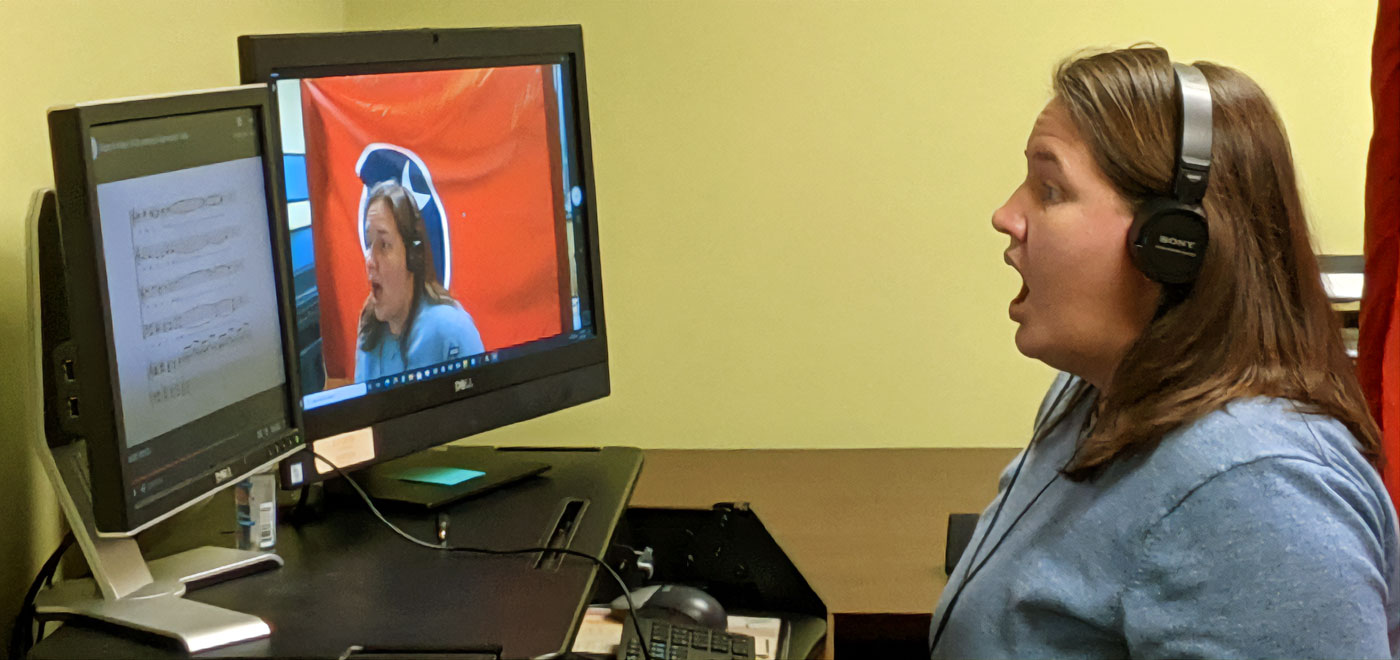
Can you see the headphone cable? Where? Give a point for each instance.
(991, 525)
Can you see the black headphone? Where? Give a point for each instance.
(414, 256)
(414, 242)
(1168, 238)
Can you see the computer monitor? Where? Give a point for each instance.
(443, 234)
(162, 345)
(176, 375)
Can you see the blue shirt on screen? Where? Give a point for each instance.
(1255, 531)
(440, 333)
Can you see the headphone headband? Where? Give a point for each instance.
(1169, 233)
(1193, 135)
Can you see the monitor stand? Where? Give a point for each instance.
(124, 590)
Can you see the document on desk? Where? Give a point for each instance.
(765, 631)
(601, 633)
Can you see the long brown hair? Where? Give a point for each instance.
(419, 260)
(1257, 321)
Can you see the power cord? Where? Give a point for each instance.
(631, 607)
(22, 637)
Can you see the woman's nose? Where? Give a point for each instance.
(1008, 219)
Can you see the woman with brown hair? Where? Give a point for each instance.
(409, 320)
(1202, 478)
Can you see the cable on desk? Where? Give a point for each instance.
(22, 635)
(300, 506)
(631, 606)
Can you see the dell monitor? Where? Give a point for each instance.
(164, 329)
(179, 378)
(443, 234)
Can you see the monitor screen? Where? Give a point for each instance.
(439, 208)
(435, 212)
(170, 232)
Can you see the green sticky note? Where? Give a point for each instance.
(442, 476)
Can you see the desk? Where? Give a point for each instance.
(348, 580)
(865, 526)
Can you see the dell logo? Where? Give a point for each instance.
(462, 385)
(1171, 240)
(223, 475)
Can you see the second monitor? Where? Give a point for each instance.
(439, 194)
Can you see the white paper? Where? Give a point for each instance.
(345, 449)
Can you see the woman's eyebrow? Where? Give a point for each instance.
(1042, 155)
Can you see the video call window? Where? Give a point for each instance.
(432, 221)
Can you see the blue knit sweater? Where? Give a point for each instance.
(1256, 531)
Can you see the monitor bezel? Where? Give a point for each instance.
(268, 58)
(115, 513)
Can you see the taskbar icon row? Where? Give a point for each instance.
(433, 371)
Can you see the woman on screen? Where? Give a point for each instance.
(1202, 480)
(409, 320)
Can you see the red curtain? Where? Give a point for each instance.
(1378, 363)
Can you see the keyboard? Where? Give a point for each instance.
(669, 641)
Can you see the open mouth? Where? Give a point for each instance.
(1021, 297)
(375, 288)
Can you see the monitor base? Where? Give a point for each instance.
(159, 607)
(124, 589)
(402, 481)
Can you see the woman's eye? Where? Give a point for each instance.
(1049, 193)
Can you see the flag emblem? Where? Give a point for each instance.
(381, 162)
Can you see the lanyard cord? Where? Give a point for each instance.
(977, 567)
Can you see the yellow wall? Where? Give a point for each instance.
(794, 197)
(64, 51)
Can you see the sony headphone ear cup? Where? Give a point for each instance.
(1168, 240)
(413, 256)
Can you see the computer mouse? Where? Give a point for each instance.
(677, 604)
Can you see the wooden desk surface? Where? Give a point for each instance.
(865, 526)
